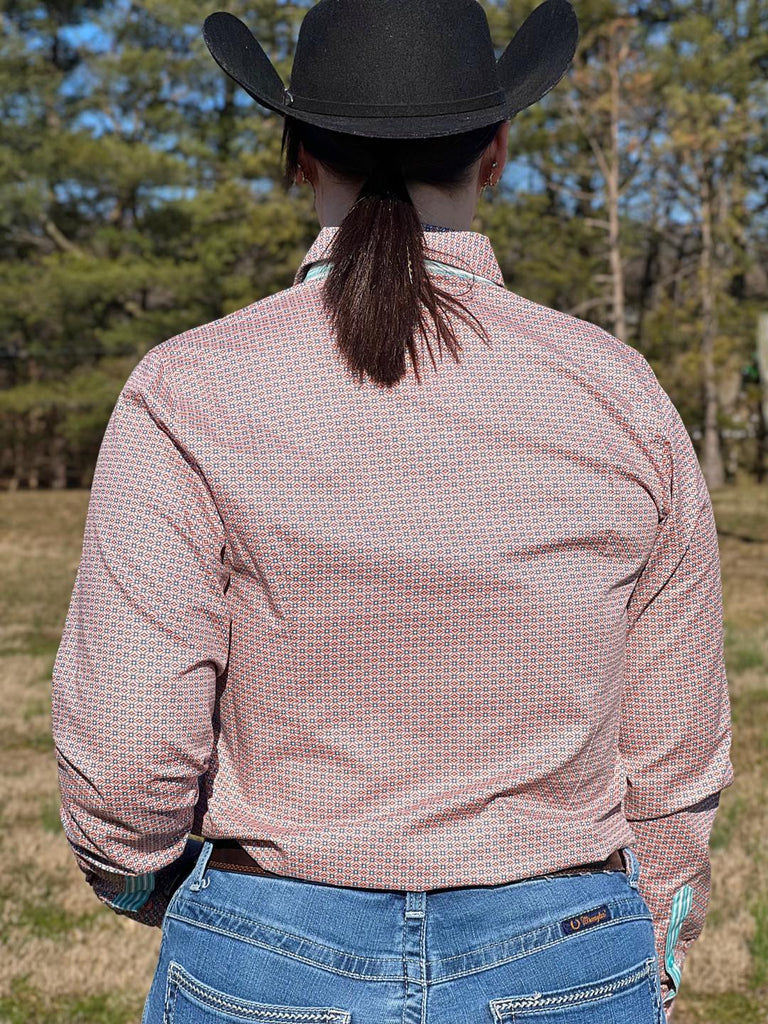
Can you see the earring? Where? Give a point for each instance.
(300, 171)
(489, 180)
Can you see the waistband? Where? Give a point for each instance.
(229, 855)
(467, 928)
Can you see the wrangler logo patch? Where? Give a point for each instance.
(585, 920)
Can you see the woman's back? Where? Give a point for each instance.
(420, 596)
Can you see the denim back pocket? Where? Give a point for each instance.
(189, 1001)
(625, 998)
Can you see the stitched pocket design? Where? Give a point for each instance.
(626, 997)
(189, 1001)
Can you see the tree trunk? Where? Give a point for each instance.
(616, 53)
(762, 426)
(18, 458)
(711, 460)
(58, 459)
(33, 449)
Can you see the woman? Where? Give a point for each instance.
(432, 660)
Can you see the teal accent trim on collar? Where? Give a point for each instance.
(322, 268)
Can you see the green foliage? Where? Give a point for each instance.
(33, 906)
(43, 917)
(758, 946)
(141, 195)
(744, 653)
(731, 809)
(50, 821)
(728, 1008)
(26, 1004)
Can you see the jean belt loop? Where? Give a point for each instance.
(197, 882)
(633, 866)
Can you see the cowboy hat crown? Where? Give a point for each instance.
(401, 68)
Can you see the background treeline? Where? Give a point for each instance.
(140, 194)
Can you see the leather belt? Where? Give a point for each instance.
(229, 855)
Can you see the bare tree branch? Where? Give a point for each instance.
(59, 239)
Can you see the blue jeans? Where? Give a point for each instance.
(570, 949)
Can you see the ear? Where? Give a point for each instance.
(308, 167)
(502, 143)
(496, 151)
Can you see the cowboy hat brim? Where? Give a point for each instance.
(532, 64)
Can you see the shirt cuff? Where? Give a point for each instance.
(144, 897)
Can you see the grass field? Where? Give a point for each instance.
(66, 959)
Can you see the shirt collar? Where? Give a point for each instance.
(469, 250)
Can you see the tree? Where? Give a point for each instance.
(705, 75)
(141, 195)
(141, 200)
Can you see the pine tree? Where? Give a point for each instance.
(141, 195)
(705, 74)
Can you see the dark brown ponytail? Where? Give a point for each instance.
(378, 288)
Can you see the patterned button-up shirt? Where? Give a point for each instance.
(454, 633)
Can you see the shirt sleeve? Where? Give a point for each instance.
(145, 640)
(675, 731)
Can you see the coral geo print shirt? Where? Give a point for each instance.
(454, 633)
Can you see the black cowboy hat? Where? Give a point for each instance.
(401, 68)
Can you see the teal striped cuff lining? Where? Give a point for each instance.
(681, 906)
(136, 891)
